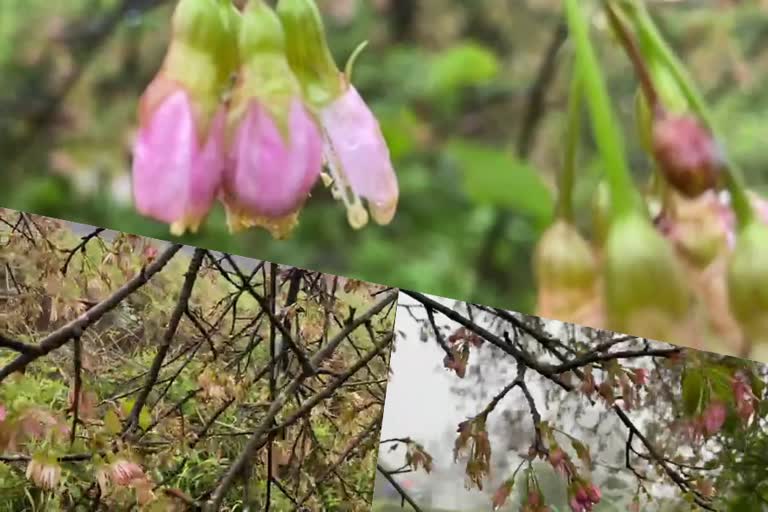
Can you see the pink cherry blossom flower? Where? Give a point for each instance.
(272, 171)
(743, 396)
(641, 376)
(44, 473)
(594, 494)
(177, 171)
(123, 472)
(359, 159)
(714, 417)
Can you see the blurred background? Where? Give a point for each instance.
(470, 96)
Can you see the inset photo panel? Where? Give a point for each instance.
(489, 409)
(137, 374)
(543, 156)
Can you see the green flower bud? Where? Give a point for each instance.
(645, 288)
(566, 272)
(748, 281)
(308, 51)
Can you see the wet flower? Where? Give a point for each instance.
(178, 157)
(355, 151)
(44, 472)
(176, 174)
(358, 159)
(275, 146)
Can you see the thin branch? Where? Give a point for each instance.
(75, 328)
(170, 332)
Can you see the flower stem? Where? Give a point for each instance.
(624, 197)
(566, 176)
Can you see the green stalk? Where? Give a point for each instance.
(653, 40)
(625, 199)
(566, 176)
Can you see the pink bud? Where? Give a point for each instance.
(272, 170)
(581, 495)
(594, 493)
(714, 417)
(556, 456)
(687, 154)
(176, 172)
(576, 505)
(3, 413)
(641, 376)
(359, 159)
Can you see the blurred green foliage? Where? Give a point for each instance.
(450, 81)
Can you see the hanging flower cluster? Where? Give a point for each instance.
(249, 108)
(711, 399)
(683, 259)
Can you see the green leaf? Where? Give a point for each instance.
(112, 422)
(145, 419)
(464, 65)
(493, 177)
(693, 388)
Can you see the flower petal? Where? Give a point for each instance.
(273, 172)
(174, 181)
(356, 145)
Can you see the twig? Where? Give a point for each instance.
(170, 332)
(75, 328)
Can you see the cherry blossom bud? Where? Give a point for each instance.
(593, 493)
(748, 285)
(645, 289)
(687, 154)
(640, 376)
(355, 151)
(566, 273)
(714, 417)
